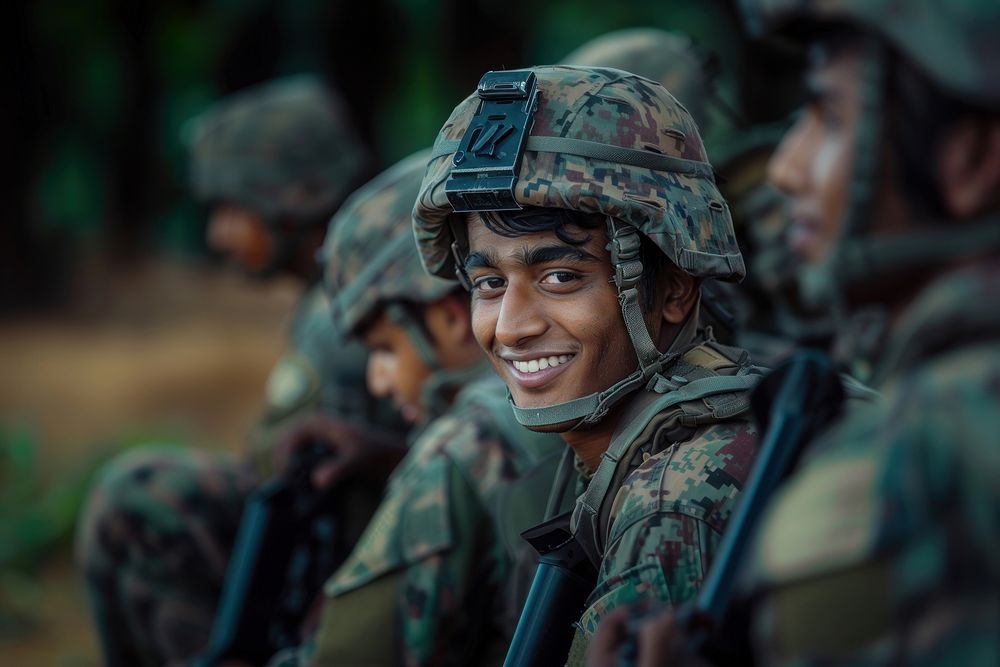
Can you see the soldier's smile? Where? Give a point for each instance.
(535, 370)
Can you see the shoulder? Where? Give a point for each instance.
(480, 435)
(699, 478)
(413, 522)
(925, 452)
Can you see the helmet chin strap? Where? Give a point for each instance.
(823, 285)
(625, 246)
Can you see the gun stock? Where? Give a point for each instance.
(287, 544)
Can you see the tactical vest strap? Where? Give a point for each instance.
(688, 382)
(598, 151)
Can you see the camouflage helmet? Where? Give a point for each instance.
(669, 58)
(608, 142)
(954, 42)
(284, 149)
(597, 141)
(370, 258)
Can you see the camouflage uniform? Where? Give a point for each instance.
(155, 536)
(435, 578)
(882, 548)
(650, 516)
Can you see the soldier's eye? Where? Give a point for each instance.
(488, 284)
(559, 277)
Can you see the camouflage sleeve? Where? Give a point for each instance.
(433, 534)
(667, 519)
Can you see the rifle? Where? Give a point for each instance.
(287, 545)
(563, 580)
(792, 405)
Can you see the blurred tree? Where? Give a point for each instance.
(98, 173)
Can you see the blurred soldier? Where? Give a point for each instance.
(438, 576)
(763, 314)
(883, 547)
(274, 162)
(584, 259)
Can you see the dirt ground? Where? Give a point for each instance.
(167, 352)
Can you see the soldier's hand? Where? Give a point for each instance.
(358, 452)
(657, 640)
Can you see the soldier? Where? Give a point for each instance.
(882, 548)
(154, 541)
(434, 579)
(584, 255)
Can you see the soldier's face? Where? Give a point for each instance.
(813, 163)
(242, 236)
(547, 313)
(396, 370)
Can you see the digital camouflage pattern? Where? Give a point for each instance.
(285, 149)
(669, 58)
(883, 547)
(682, 477)
(448, 528)
(153, 543)
(159, 526)
(684, 214)
(953, 41)
(668, 517)
(369, 256)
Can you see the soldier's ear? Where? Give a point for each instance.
(679, 295)
(969, 167)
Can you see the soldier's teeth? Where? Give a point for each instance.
(536, 365)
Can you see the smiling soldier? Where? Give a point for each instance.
(578, 206)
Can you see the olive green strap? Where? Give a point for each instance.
(587, 529)
(823, 284)
(399, 315)
(599, 151)
(589, 409)
(620, 155)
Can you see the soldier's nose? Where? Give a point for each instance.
(378, 375)
(788, 169)
(519, 318)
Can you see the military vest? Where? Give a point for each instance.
(709, 383)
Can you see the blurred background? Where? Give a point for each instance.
(117, 326)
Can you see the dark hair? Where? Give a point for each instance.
(533, 219)
(416, 310)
